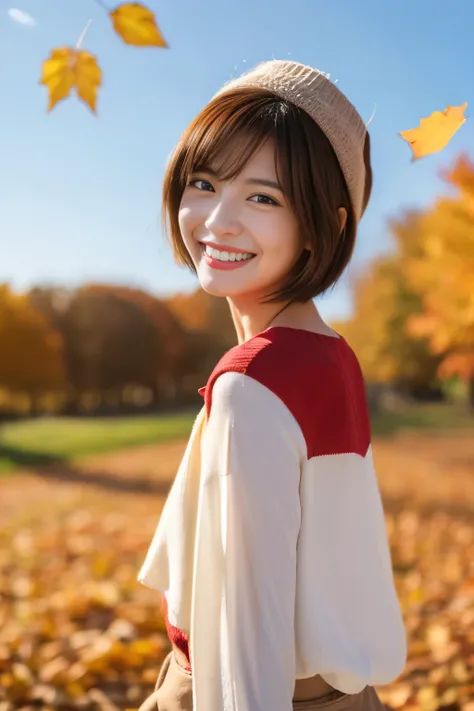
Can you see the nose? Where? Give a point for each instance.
(223, 218)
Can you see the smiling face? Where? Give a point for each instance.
(254, 175)
(240, 233)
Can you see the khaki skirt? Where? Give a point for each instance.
(173, 692)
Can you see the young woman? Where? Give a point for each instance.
(271, 551)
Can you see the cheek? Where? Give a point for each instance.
(191, 216)
(281, 241)
(187, 227)
(184, 220)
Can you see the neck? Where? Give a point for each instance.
(251, 318)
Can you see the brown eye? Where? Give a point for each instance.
(201, 184)
(264, 200)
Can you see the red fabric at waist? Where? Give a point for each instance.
(305, 689)
(177, 637)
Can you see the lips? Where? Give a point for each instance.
(224, 257)
(225, 248)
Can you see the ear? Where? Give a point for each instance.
(342, 212)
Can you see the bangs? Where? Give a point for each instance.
(228, 132)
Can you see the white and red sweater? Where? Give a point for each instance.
(272, 550)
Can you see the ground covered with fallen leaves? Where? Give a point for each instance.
(78, 632)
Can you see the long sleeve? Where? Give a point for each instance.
(272, 549)
(242, 639)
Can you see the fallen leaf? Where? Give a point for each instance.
(435, 131)
(102, 700)
(86, 635)
(68, 69)
(54, 671)
(136, 25)
(398, 695)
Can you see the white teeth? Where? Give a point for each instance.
(227, 256)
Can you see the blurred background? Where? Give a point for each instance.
(104, 341)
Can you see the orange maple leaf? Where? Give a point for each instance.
(435, 131)
(136, 25)
(68, 69)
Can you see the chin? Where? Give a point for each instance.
(214, 290)
(222, 288)
(233, 286)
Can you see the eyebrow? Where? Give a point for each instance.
(265, 182)
(250, 181)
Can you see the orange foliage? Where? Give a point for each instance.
(414, 309)
(199, 311)
(162, 317)
(31, 352)
(383, 303)
(443, 275)
(192, 310)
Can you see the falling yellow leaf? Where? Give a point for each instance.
(68, 69)
(435, 131)
(136, 25)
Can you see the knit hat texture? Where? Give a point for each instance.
(312, 91)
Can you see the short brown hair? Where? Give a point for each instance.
(307, 169)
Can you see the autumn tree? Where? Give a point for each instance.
(199, 311)
(110, 343)
(384, 301)
(117, 336)
(443, 277)
(31, 353)
(209, 332)
(168, 361)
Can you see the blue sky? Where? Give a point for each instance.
(80, 195)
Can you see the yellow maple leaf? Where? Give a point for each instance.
(435, 131)
(136, 25)
(68, 69)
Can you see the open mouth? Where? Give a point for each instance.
(226, 256)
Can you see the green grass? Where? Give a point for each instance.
(438, 418)
(43, 441)
(36, 442)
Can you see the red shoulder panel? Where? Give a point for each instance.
(317, 377)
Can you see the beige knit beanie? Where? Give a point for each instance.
(312, 91)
